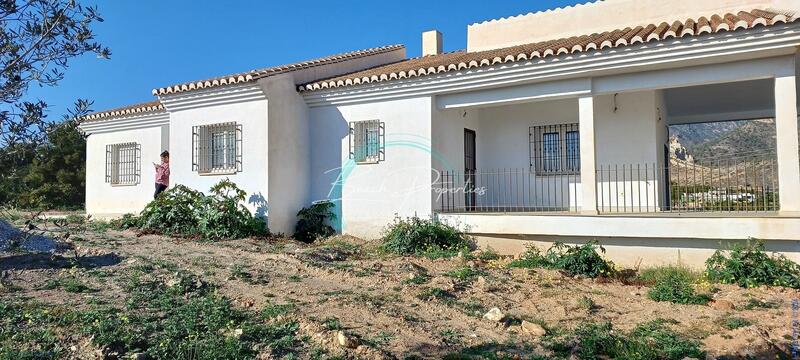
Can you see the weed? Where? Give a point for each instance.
(331, 324)
(674, 284)
(314, 222)
(420, 236)
(272, 311)
(98, 226)
(450, 336)
(294, 278)
(75, 219)
(488, 254)
(733, 322)
(71, 285)
(127, 221)
(435, 294)
(464, 273)
(759, 304)
(381, 339)
(575, 260)
(586, 303)
(650, 340)
(750, 266)
(417, 279)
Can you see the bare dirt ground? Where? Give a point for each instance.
(397, 307)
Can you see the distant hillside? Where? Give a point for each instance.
(693, 135)
(729, 139)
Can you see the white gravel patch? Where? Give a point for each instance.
(34, 243)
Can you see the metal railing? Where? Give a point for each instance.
(741, 184)
(505, 190)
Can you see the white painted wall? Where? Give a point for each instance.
(650, 240)
(104, 200)
(628, 138)
(289, 149)
(602, 16)
(372, 194)
(252, 115)
(631, 134)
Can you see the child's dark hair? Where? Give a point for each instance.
(165, 153)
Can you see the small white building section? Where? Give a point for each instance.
(251, 128)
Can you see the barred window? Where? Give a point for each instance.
(123, 163)
(367, 141)
(555, 149)
(217, 148)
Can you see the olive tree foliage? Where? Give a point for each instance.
(38, 38)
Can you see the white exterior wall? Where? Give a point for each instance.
(631, 134)
(105, 200)
(373, 194)
(252, 115)
(289, 150)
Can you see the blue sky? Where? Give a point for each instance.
(155, 43)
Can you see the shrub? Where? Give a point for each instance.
(224, 216)
(181, 211)
(127, 221)
(750, 266)
(173, 212)
(575, 260)
(419, 236)
(673, 284)
(313, 222)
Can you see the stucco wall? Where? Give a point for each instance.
(628, 132)
(628, 137)
(289, 151)
(252, 115)
(105, 200)
(372, 194)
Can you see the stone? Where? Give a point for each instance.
(533, 329)
(484, 284)
(494, 315)
(722, 304)
(346, 340)
(139, 356)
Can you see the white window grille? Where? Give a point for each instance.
(123, 163)
(367, 141)
(217, 148)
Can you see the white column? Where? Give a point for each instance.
(588, 158)
(787, 144)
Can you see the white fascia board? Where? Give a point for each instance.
(114, 124)
(674, 53)
(213, 96)
(516, 94)
(764, 68)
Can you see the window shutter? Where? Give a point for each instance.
(108, 164)
(381, 141)
(137, 175)
(195, 148)
(238, 147)
(351, 140)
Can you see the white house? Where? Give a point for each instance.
(550, 126)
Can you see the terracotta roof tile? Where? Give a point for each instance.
(459, 60)
(253, 75)
(151, 107)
